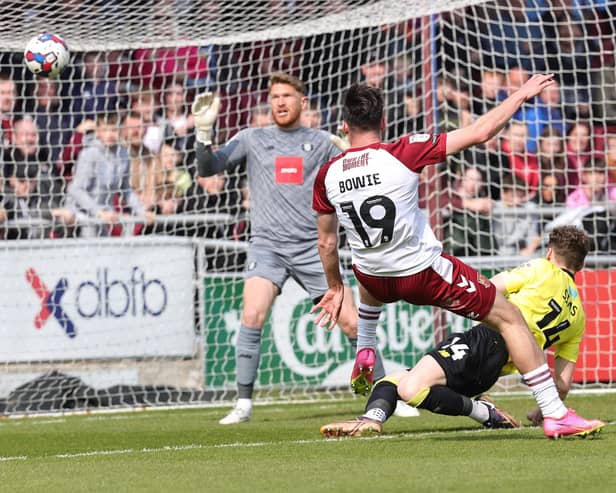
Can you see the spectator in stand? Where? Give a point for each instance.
(404, 88)
(141, 158)
(375, 72)
(32, 191)
(262, 58)
(311, 115)
(610, 158)
(145, 104)
(516, 77)
(261, 116)
(101, 184)
(83, 133)
(587, 203)
(490, 91)
(454, 105)
(493, 159)
(132, 132)
(26, 148)
(91, 91)
(30, 202)
(177, 121)
(155, 68)
(570, 54)
(119, 69)
(51, 122)
(594, 188)
(604, 85)
(2, 213)
(467, 222)
(522, 163)
(578, 151)
(8, 96)
(161, 186)
(172, 182)
(551, 156)
(511, 38)
(514, 220)
(412, 121)
(545, 112)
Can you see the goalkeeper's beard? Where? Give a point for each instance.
(288, 121)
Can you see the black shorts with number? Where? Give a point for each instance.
(472, 360)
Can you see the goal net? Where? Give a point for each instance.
(122, 268)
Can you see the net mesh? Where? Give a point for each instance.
(141, 305)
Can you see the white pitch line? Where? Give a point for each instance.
(181, 448)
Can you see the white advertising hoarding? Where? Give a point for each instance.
(104, 298)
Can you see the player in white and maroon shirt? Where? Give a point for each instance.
(371, 189)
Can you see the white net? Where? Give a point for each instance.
(122, 308)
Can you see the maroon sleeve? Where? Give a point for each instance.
(320, 201)
(419, 150)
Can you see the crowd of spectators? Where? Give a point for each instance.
(108, 148)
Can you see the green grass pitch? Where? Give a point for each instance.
(281, 450)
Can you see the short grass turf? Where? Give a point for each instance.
(281, 450)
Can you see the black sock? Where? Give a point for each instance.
(443, 400)
(382, 401)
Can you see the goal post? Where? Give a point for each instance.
(146, 313)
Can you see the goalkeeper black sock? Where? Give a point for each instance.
(443, 400)
(247, 355)
(382, 402)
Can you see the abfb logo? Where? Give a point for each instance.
(101, 297)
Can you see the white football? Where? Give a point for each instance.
(46, 54)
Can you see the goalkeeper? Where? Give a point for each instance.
(468, 364)
(282, 162)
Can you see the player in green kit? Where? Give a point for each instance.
(467, 364)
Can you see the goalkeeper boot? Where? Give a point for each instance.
(362, 375)
(237, 415)
(498, 418)
(571, 425)
(352, 428)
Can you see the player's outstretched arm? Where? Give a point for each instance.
(488, 125)
(331, 303)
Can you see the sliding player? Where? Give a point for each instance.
(468, 364)
(372, 189)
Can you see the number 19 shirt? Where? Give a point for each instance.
(373, 190)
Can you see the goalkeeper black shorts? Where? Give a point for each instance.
(472, 360)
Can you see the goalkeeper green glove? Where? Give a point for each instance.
(205, 110)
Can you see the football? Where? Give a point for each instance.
(46, 55)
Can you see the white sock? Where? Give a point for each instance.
(368, 319)
(376, 414)
(544, 390)
(480, 411)
(244, 404)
